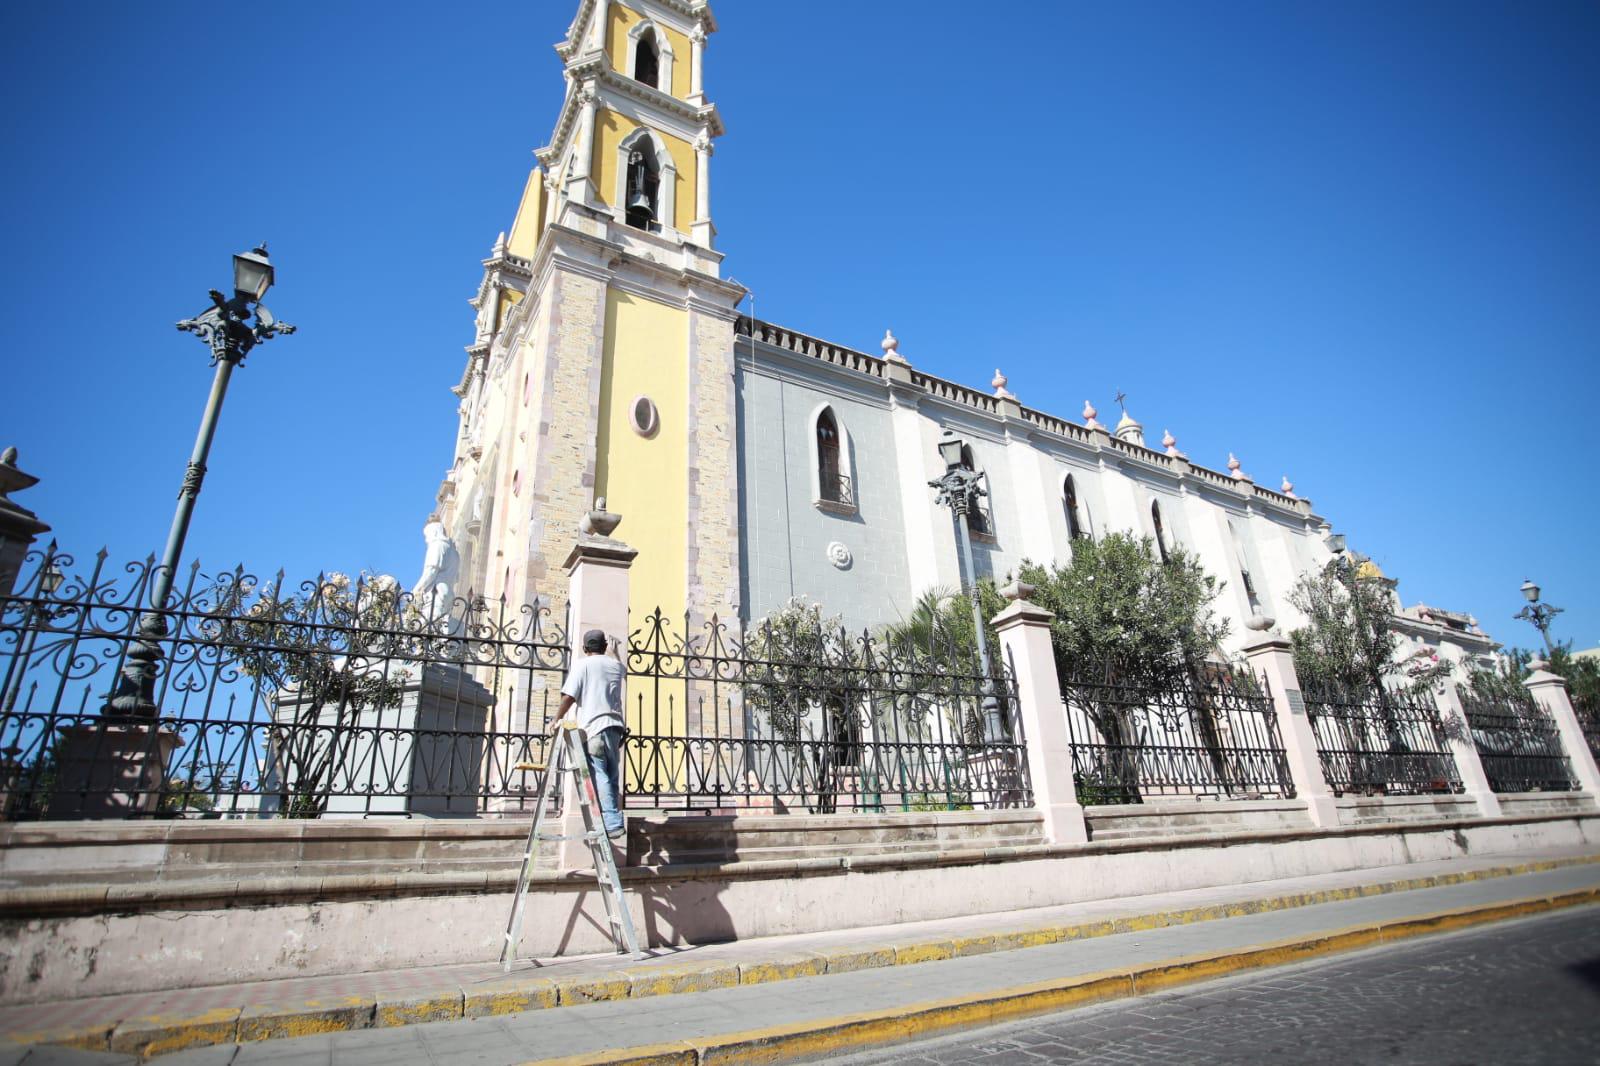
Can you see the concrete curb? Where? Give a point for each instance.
(163, 1034)
(856, 1032)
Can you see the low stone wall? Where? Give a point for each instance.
(90, 939)
(1179, 817)
(1364, 810)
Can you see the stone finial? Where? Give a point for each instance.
(599, 522)
(1018, 589)
(1233, 468)
(1288, 488)
(499, 248)
(999, 383)
(1170, 443)
(1088, 416)
(12, 479)
(891, 348)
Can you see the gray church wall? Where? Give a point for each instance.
(787, 536)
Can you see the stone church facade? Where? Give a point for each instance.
(752, 463)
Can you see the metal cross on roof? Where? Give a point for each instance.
(1122, 401)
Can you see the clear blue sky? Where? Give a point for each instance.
(1355, 243)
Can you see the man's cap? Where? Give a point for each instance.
(594, 640)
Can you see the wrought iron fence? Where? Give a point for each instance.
(1207, 732)
(242, 699)
(791, 718)
(1518, 743)
(1380, 742)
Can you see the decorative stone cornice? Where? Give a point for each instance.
(594, 70)
(1094, 437)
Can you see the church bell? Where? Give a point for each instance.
(638, 195)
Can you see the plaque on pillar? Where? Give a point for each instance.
(111, 769)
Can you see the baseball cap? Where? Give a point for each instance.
(594, 640)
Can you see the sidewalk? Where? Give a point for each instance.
(813, 993)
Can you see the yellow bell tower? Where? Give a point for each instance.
(602, 365)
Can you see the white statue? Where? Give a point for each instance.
(441, 568)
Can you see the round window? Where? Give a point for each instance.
(644, 417)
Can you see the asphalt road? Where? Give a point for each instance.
(1523, 992)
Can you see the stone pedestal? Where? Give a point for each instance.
(18, 525)
(597, 570)
(1025, 639)
(111, 769)
(1272, 657)
(422, 757)
(1458, 735)
(1550, 693)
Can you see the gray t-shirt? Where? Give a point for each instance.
(596, 684)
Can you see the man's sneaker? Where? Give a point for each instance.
(618, 833)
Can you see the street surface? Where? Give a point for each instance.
(1523, 992)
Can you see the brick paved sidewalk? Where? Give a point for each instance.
(382, 1001)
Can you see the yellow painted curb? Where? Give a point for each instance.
(922, 1020)
(522, 993)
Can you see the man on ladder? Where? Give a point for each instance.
(594, 686)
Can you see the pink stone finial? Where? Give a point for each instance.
(891, 347)
(1088, 416)
(1288, 487)
(999, 383)
(1233, 466)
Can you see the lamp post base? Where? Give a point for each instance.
(111, 769)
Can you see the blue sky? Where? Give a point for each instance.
(1354, 243)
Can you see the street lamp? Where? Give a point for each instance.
(1540, 614)
(959, 490)
(226, 328)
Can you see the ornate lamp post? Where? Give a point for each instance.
(959, 490)
(1540, 614)
(226, 328)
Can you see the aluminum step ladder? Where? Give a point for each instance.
(567, 756)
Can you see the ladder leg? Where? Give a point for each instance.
(513, 939)
(605, 871)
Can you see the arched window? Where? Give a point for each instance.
(1161, 531)
(647, 60)
(649, 56)
(646, 182)
(644, 191)
(831, 481)
(1076, 527)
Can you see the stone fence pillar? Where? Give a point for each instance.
(1550, 693)
(597, 572)
(1270, 656)
(1458, 735)
(19, 527)
(1025, 641)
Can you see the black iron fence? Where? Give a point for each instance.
(1518, 743)
(1206, 732)
(336, 697)
(798, 717)
(1375, 742)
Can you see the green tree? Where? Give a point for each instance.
(1347, 643)
(324, 658)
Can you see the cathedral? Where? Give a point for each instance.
(752, 463)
